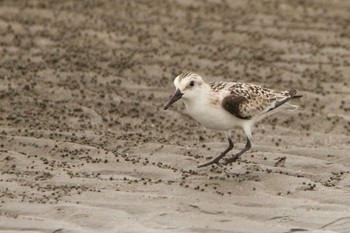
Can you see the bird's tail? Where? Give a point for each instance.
(282, 105)
(289, 107)
(281, 102)
(294, 94)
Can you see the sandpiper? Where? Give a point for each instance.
(227, 105)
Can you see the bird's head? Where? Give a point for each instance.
(188, 85)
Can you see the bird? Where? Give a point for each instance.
(228, 105)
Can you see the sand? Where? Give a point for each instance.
(85, 145)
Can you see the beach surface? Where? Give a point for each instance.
(85, 145)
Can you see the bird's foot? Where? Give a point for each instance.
(214, 161)
(231, 160)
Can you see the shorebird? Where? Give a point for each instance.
(228, 105)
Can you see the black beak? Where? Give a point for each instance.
(177, 95)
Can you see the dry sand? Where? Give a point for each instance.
(86, 147)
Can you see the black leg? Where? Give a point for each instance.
(216, 160)
(236, 156)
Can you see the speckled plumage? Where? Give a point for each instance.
(256, 99)
(226, 105)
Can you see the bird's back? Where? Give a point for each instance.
(247, 101)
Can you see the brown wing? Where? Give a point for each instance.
(248, 100)
(243, 107)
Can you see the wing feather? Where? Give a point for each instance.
(246, 101)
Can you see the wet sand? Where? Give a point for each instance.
(86, 147)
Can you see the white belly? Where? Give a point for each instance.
(214, 117)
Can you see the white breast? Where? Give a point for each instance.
(212, 116)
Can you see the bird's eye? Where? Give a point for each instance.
(191, 83)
